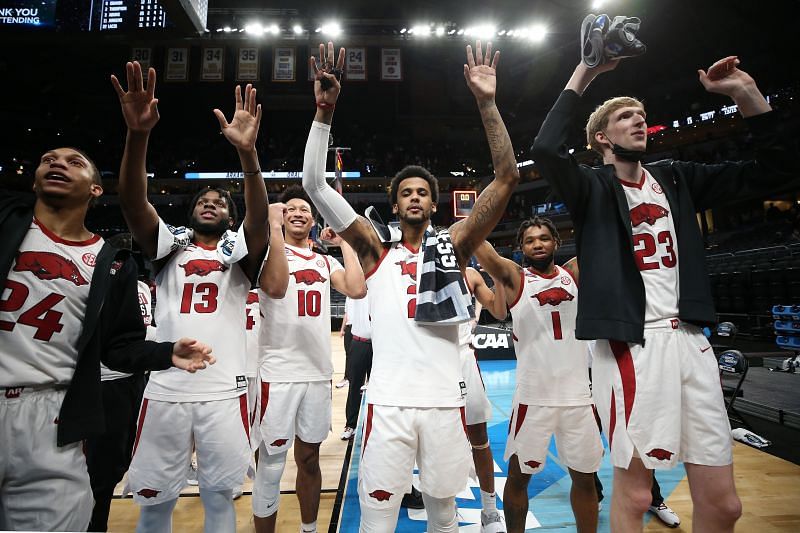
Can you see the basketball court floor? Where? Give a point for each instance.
(769, 487)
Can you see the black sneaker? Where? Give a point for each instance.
(412, 500)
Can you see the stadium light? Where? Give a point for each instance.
(273, 29)
(440, 31)
(501, 32)
(254, 28)
(227, 29)
(422, 30)
(298, 29)
(597, 4)
(537, 33)
(333, 29)
(402, 31)
(451, 32)
(484, 31)
(461, 31)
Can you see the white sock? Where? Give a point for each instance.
(308, 528)
(489, 502)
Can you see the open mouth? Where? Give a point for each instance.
(297, 223)
(208, 215)
(57, 176)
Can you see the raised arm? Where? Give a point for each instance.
(481, 74)
(274, 279)
(242, 132)
(503, 271)
(493, 301)
(140, 111)
(724, 78)
(341, 217)
(349, 282)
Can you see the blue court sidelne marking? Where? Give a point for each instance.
(548, 490)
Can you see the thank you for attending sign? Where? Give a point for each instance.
(391, 64)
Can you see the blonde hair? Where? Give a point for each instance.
(598, 120)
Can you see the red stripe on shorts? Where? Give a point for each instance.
(523, 409)
(142, 412)
(243, 410)
(264, 399)
(367, 428)
(622, 354)
(612, 419)
(509, 421)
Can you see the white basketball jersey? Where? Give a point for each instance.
(43, 306)
(655, 247)
(106, 374)
(361, 325)
(201, 295)
(551, 362)
(412, 365)
(296, 336)
(252, 326)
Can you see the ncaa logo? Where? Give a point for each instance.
(89, 259)
(565, 280)
(657, 188)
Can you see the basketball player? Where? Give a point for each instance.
(68, 302)
(359, 359)
(295, 364)
(108, 456)
(477, 409)
(645, 288)
(415, 396)
(552, 396)
(203, 276)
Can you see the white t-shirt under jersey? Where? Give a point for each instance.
(412, 365)
(655, 247)
(201, 295)
(43, 308)
(551, 362)
(296, 336)
(145, 306)
(361, 326)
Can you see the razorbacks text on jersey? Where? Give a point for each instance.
(296, 337)
(655, 247)
(42, 308)
(201, 294)
(413, 365)
(551, 362)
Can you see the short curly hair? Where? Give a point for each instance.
(539, 222)
(414, 171)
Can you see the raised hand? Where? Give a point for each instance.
(276, 213)
(242, 130)
(324, 69)
(724, 78)
(481, 72)
(331, 236)
(139, 105)
(191, 355)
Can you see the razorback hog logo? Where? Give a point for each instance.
(203, 267)
(660, 454)
(148, 493)
(309, 276)
(278, 442)
(647, 213)
(381, 495)
(409, 269)
(533, 464)
(252, 298)
(553, 296)
(49, 266)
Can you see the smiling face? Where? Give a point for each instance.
(414, 202)
(298, 219)
(66, 177)
(627, 128)
(211, 214)
(539, 245)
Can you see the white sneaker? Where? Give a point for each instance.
(348, 433)
(666, 515)
(343, 383)
(492, 523)
(191, 474)
(237, 493)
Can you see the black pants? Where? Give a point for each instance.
(360, 366)
(655, 492)
(109, 455)
(348, 339)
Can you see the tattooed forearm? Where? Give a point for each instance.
(485, 207)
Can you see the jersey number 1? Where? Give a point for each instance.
(556, 325)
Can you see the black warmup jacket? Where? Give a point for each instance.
(113, 330)
(612, 295)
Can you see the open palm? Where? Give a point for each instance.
(481, 72)
(242, 130)
(139, 104)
